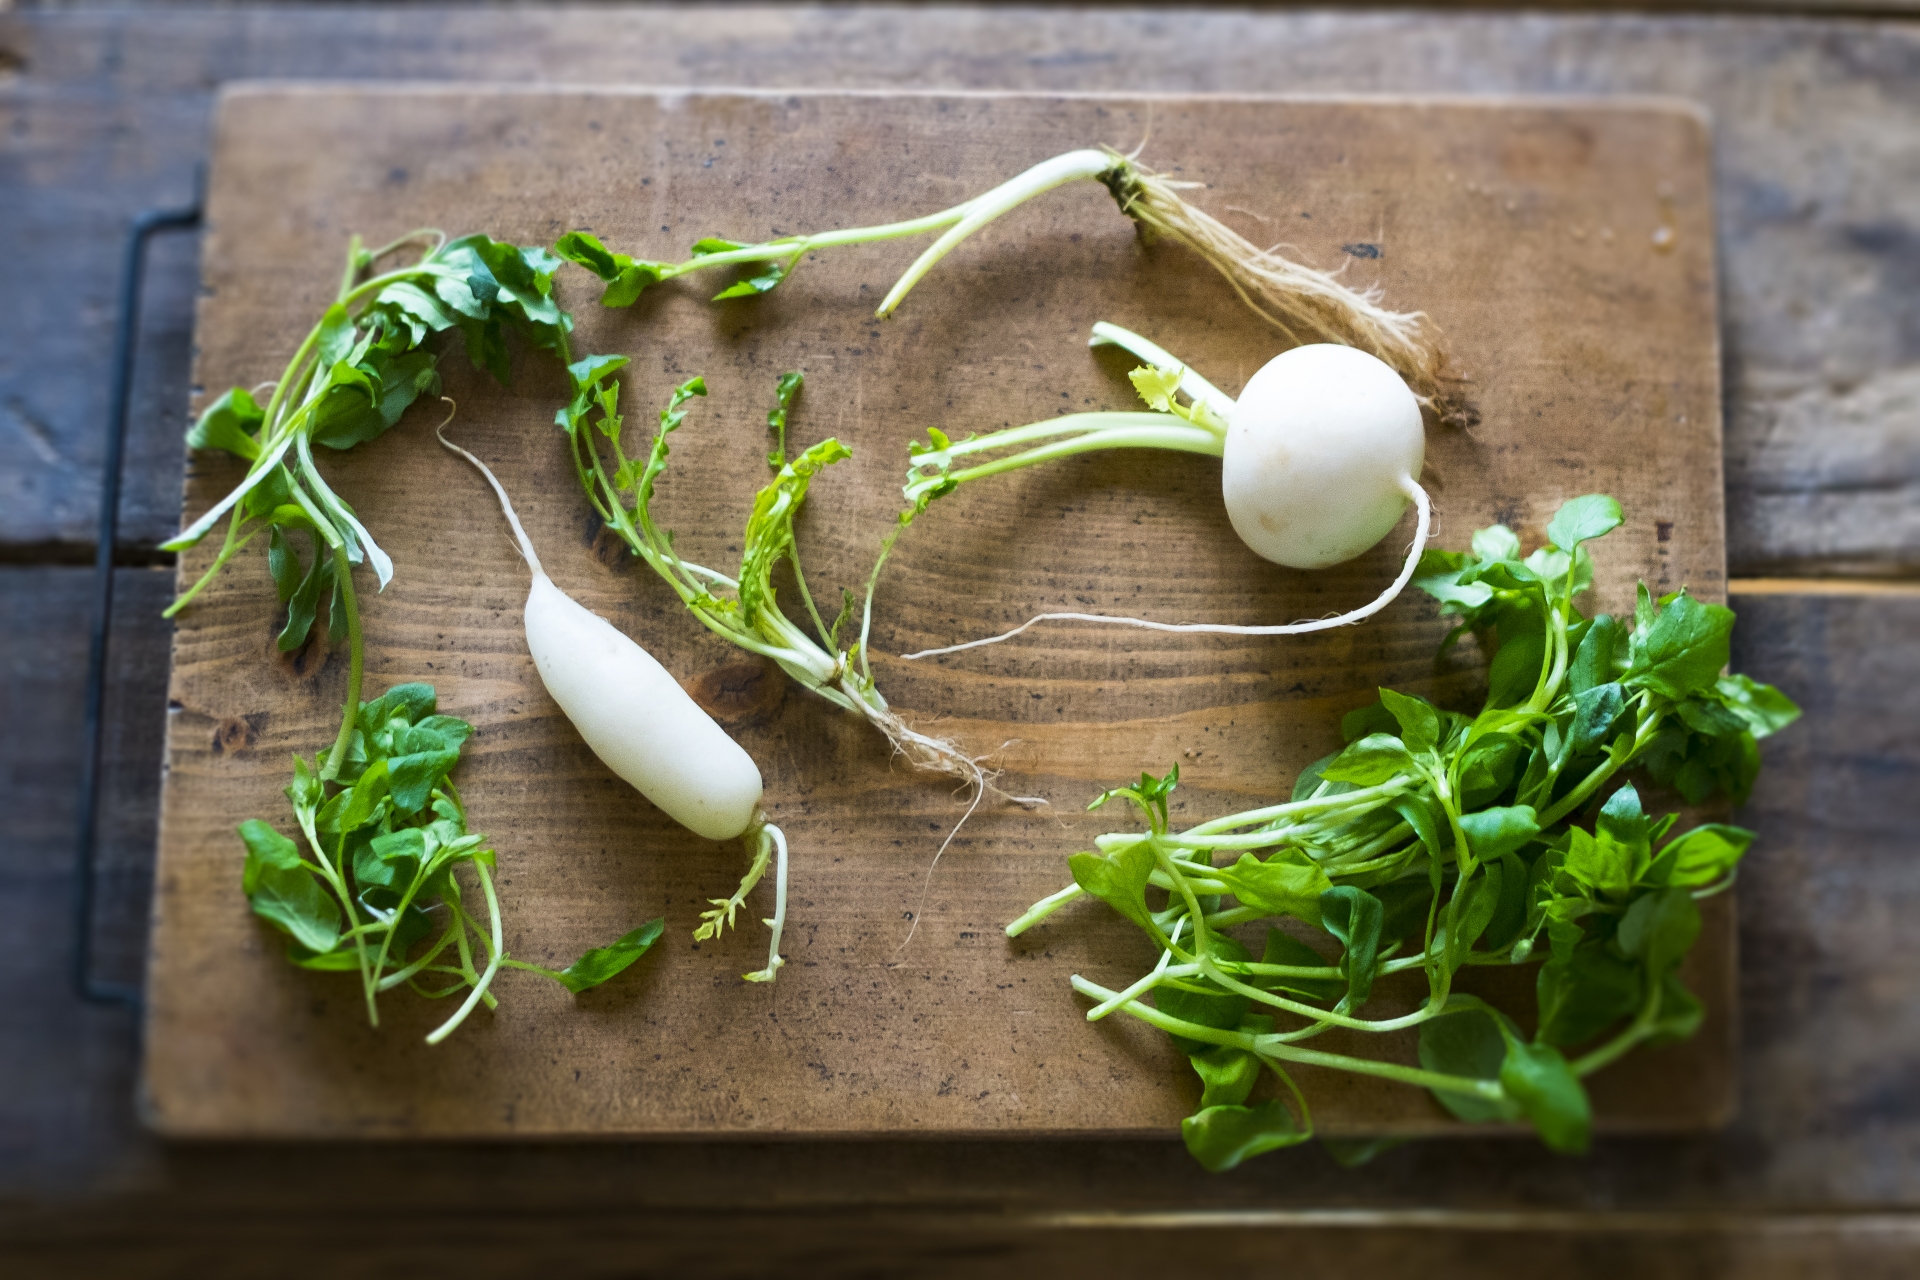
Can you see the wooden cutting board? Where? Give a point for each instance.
(1565, 247)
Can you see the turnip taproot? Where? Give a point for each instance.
(648, 730)
(1319, 458)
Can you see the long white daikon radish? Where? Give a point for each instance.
(647, 729)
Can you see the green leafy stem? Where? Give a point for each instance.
(626, 278)
(743, 607)
(1467, 838)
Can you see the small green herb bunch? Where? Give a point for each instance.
(381, 892)
(384, 825)
(1437, 840)
(359, 369)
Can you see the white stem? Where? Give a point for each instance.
(1043, 177)
(779, 920)
(506, 507)
(1424, 518)
(1197, 388)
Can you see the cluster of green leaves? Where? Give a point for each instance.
(745, 609)
(364, 364)
(1437, 840)
(626, 278)
(378, 889)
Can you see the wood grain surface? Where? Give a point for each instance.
(1565, 249)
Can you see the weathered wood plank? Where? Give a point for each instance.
(958, 1242)
(1819, 176)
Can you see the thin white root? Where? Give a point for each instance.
(779, 920)
(506, 506)
(1423, 509)
(1304, 304)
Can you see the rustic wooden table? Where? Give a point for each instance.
(1818, 157)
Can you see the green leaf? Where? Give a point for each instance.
(1283, 948)
(1547, 1092)
(601, 963)
(1584, 988)
(1406, 904)
(304, 600)
(1705, 855)
(1680, 1013)
(585, 248)
(1515, 669)
(356, 411)
(229, 423)
(1494, 833)
(1597, 660)
(283, 892)
(283, 562)
(411, 702)
(419, 310)
(1227, 1075)
(1596, 710)
(1287, 883)
(392, 858)
(1510, 908)
(772, 273)
(336, 338)
(1496, 542)
(1221, 1137)
(1659, 929)
(1603, 865)
(634, 279)
(267, 850)
(1418, 720)
(1684, 648)
(414, 776)
(1623, 818)
(588, 371)
(1119, 879)
(1765, 709)
(783, 393)
(1372, 760)
(1420, 812)
(1362, 721)
(1582, 519)
(1468, 1043)
(1354, 916)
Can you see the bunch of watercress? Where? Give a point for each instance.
(381, 817)
(357, 371)
(1437, 840)
(381, 892)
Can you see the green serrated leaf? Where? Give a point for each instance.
(602, 963)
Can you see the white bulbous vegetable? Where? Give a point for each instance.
(638, 719)
(650, 732)
(1320, 449)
